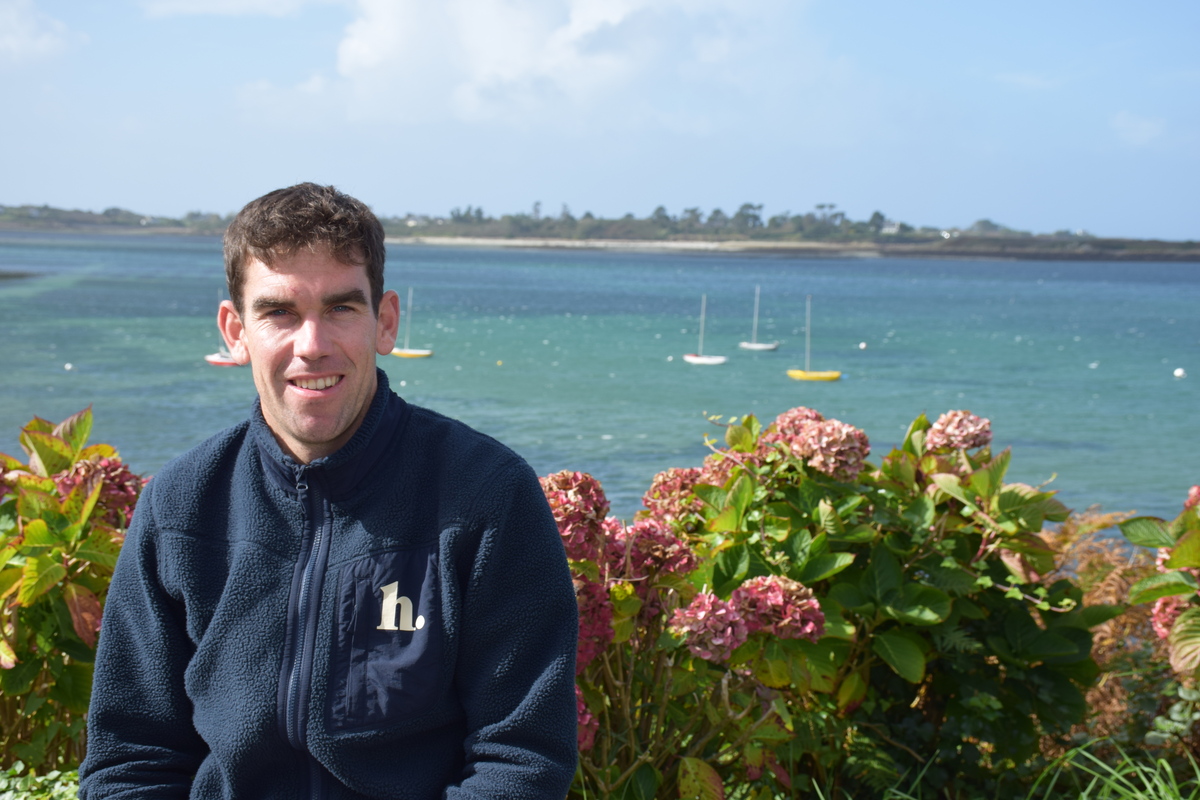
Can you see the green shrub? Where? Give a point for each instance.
(790, 618)
(54, 785)
(62, 521)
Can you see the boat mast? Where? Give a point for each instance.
(754, 329)
(807, 329)
(703, 303)
(408, 318)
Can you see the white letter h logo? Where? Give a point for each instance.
(393, 602)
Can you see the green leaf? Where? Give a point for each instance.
(739, 438)
(899, 653)
(73, 688)
(1184, 641)
(699, 781)
(38, 534)
(100, 547)
(641, 785)
(39, 575)
(1186, 552)
(33, 502)
(883, 574)
(914, 437)
(852, 690)
(1147, 532)
(987, 479)
(75, 429)
(624, 599)
(1166, 584)
(8, 659)
(859, 534)
(1100, 614)
(9, 580)
(919, 513)
(830, 522)
(824, 566)
(730, 568)
(950, 484)
(918, 604)
(50, 454)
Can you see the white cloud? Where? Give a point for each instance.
(526, 62)
(1135, 130)
(27, 34)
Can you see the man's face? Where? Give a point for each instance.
(310, 336)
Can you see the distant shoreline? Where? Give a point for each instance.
(983, 247)
(1006, 249)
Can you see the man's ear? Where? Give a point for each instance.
(229, 323)
(388, 324)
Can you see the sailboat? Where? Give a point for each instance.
(807, 374)
(754, 343)
(406, 351)
(698, 357)
(221, 358)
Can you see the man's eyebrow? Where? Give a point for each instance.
(352, 296)
(267, 302)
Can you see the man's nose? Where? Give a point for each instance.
(312, 340)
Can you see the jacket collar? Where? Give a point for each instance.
(341, 471)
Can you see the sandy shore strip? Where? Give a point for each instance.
(807, 248)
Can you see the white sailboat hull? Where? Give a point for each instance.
(708, 361)
(759, 345)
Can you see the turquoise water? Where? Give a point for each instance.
(1072, 362)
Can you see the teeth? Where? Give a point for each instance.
(318, 383)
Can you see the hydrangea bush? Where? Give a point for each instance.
(789, 616)
(62, 520)
(1174, 590)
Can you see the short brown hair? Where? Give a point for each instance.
(306, 215)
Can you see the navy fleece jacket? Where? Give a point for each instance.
(393, 621)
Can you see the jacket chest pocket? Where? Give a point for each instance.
(389, 641)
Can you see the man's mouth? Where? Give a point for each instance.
(317, 383)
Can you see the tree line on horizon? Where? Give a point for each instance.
(824, 223)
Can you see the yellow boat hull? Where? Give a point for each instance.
(814, 375)
(411, 353)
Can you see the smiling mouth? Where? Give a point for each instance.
(317, 383)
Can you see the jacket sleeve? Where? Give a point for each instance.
(141, 741)
(516, 673)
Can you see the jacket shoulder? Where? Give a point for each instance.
(193, 479)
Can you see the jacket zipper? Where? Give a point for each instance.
(300, 657)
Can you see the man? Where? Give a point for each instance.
(345, 596)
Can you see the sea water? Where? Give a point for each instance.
(573, 357)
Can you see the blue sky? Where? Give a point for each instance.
(1040, 116)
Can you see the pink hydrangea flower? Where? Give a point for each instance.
(588, 724)
(1165, 611)
(595, 622)
(794, 421)
(780, 606)
(1193, 498)
(832, 447)
(119, 494)
(579, 507)
(712, 628)
(959, 430)
(670, 494)
(649, 547)
(716, 468)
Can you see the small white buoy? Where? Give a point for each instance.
(862, 345)
(670, 358)
(69, 366)
(1094, 365)
(1180, 372)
